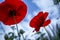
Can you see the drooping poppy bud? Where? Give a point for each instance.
(39, 21)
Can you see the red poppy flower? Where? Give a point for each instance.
(39, 21)
(10, 8)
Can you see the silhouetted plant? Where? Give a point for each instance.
(6, 37)
(10, 36)
(21, 32)
(58, 32)
(56, 1)
(41, 35)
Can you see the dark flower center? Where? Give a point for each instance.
(12, 13)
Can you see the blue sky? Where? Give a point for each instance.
(34, 6)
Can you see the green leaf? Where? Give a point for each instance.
(6, 37)
(38, 38)
(19, 34)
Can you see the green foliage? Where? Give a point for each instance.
(56, 1)
(6, 37)
(38, 38)
(41, 35)
(21, 31)
(10, 36)
(58, 32)
(19, 34)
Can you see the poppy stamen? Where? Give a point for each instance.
(12, 12)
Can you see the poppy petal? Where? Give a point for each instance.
(19, 15)
(9, 5)
(15, 3)
(36, 29)
(47, 22)
(45, 15)
(32, 22)
(39, 21)
(40, 14)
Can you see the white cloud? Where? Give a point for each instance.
(48, 5)
(43, 4)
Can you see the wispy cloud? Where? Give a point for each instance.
(48, 5)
